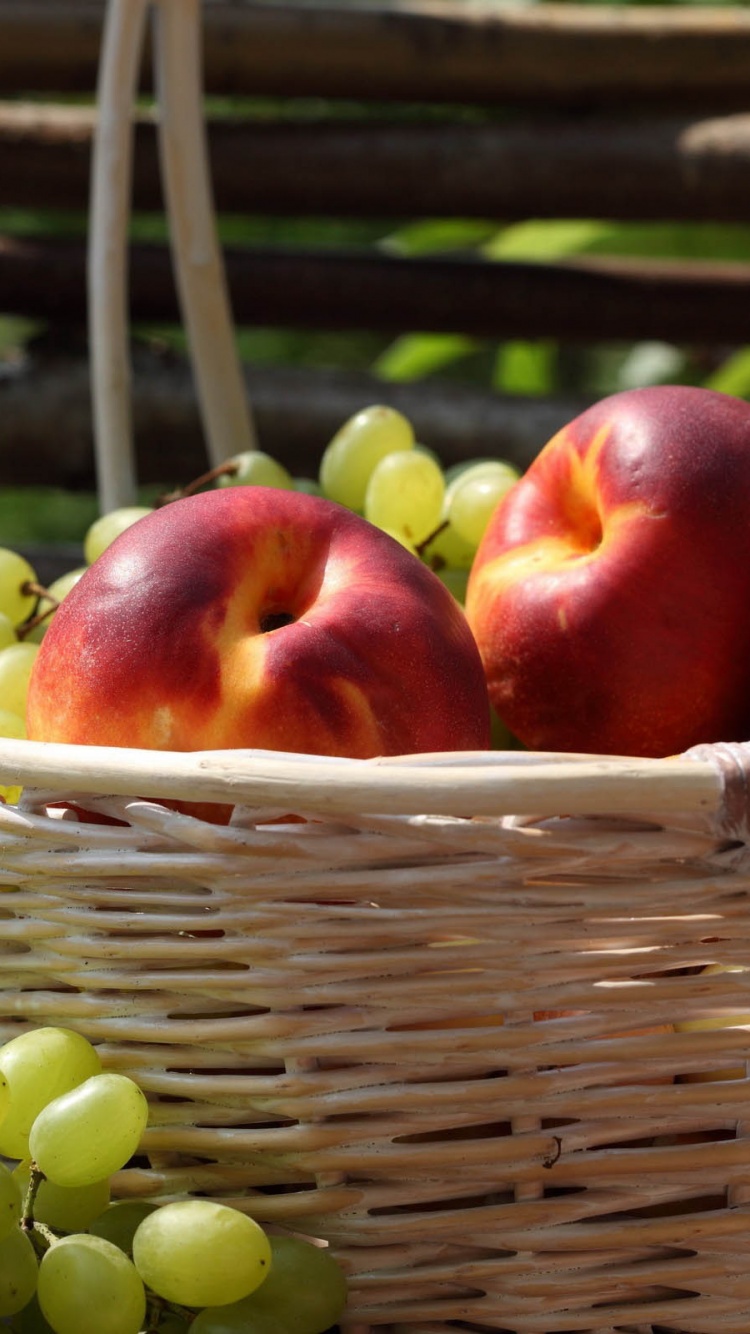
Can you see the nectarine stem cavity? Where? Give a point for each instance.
(275, 620)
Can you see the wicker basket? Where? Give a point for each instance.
(430, 1022)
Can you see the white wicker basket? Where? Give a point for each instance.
(314, 1010)
(432, 1020)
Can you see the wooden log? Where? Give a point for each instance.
(424, 50)
(45, 408)
(590, 300)
(656, 167)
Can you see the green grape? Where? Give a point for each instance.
(87, 1286)
(16, 663)
(38, 1066)
(11, 1200)
(89, 1133)
(355, 450)
(7, 631)
(238, 1318)
(305, 1292)
(172, 1323)
(254, 468)
(447, 548)
(107, 527)
(308, 485)
(18, 1272)
(476, 495)
(477, 468)
(14, 573)
(456, 470)
(118, 1223)
(12, 724)
(14, 727)
(201, 1253)
(405, 494)
(58, 590)
(31, 1320)
(64, 1208)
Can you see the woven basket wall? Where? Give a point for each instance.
(431, 1022)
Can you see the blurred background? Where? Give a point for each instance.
(485, 214)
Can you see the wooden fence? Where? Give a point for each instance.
(473, 111)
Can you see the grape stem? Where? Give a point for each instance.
(422, 546)
(30, 586)
(157, 1306)
(227, 469)
(39, 591)
(36, 1177)
(41, 1237)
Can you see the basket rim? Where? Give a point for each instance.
(458, 783)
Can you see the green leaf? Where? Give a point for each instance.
(733, 376)
(15, 330)
(44, 514)
(438, 235)
(526, 368)
(415, 355)
(543, 241)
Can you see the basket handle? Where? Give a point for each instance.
(204, 299)
(486, 783)
(730, 761)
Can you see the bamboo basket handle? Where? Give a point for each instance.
(200, 273)
(107, 270)
(487, 783)
(201, 281)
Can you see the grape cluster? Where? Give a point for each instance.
(73, 1261)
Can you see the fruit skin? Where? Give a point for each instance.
(610, 593)
(159, 644)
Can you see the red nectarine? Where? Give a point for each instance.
(610, 595)
(256, 617)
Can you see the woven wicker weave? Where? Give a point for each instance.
(314, 1011)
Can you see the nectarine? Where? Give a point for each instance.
(610, 595)
(257, 617)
